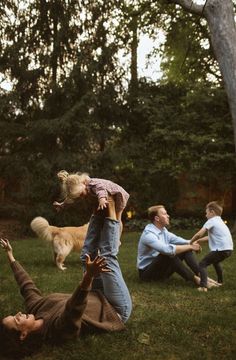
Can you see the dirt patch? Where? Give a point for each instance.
(10, 228)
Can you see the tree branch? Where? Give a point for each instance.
(190, 6)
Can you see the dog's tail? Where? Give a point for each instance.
(42, 228)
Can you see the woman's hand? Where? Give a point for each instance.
(5, 244)
(95, 267)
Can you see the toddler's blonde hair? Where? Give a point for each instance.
(72, 184)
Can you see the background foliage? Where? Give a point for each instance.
(74, 105)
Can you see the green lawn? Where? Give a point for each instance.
(169, 321)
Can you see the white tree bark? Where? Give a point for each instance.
(220, 18)
(190, 6)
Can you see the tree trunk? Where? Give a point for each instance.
(134, 56)
(220, 17)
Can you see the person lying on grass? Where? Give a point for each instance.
(57, 317)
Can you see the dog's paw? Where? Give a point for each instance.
(61, 267)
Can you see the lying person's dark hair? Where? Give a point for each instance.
(14, 348)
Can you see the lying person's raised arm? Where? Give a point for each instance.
(28, 289)
(76, 304)
(8, 248)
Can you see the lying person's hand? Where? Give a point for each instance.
(97, 266)
(5, 244)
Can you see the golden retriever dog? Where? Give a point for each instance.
(64, 239)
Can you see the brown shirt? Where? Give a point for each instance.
(67, 315)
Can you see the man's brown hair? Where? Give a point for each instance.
(214, 206)
(153, 211)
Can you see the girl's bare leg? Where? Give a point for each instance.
(118, 216)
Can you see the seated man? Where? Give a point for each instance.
(160, 253)
(57, 317)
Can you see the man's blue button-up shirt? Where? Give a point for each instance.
(154, 241)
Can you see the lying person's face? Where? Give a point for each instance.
(20, 322)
